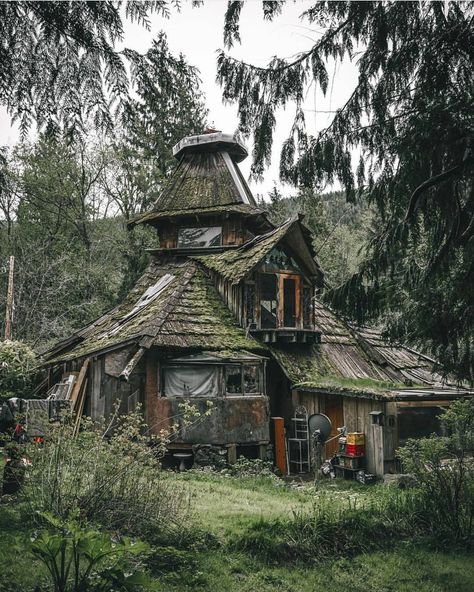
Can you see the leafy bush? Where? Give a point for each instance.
(246, 467)
(444, 470)
(114, 481)
(79, 558)
(17, 366)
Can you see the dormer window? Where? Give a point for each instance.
(201, 237)
(279, 295)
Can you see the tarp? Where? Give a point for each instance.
(191, 381)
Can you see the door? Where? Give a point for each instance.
(333, 408)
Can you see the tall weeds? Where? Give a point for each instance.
(331, 530)
(114, 481)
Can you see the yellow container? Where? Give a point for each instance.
(357, 438)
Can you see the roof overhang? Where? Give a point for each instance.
(213, 142)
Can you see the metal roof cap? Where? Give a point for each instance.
(211, 142)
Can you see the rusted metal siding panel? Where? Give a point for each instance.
(239, 420)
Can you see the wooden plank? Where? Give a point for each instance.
(80, 408)
(79, 382)
(334, 410)
(378, 460)
(279, 438)
(402, 404)
(350, 414)
(390, 440)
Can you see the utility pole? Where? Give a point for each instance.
(9, 309)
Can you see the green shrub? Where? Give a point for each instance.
(81, 559)
(115, 481)
(444, 470)
(17, 369)
(255, 467)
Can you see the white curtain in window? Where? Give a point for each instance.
(191, 381)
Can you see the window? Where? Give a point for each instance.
(280, 300)
(212, 380)
(278, 260)
(192, 238)
(243, 379)
(233, 380)
(418, 422)
(191, 381)
(251, 380)
(289, 302)
(268, 300)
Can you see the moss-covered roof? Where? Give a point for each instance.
(187, 313)
(235, 264)
(353, 360)
(202, 181)
(239, 208)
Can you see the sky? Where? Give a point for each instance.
(198, 34)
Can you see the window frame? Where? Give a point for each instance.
(222, 379)
(280, 281)
(182, 228)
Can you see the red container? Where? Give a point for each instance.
(355, 449)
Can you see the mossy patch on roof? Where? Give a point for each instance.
(235, 264)
(238, 208)
(321, 367)
(187, 313)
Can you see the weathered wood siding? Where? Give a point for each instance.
(356, 417)
(105, 389)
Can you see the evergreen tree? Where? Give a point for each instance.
(59, 64)
(410, 115)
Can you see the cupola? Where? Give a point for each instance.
(206, 203)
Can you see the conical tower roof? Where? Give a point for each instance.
(206, 180)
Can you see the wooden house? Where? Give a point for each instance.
(228, 311)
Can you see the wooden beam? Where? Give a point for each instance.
(78, 385)
(432, 403)
(279, 438)
(125, 374)
(80, 408)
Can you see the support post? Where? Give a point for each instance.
(231, 454)
(280, 448)
(9, 307)
(377, 435)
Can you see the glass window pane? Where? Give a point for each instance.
(268, 301)
(210, 236)
(289, 302)
(233, 380)
(251, 380)
(278, 260)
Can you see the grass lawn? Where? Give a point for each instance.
(227, 507)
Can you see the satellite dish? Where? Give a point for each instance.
(321, 425)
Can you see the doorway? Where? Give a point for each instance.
(333, 408)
